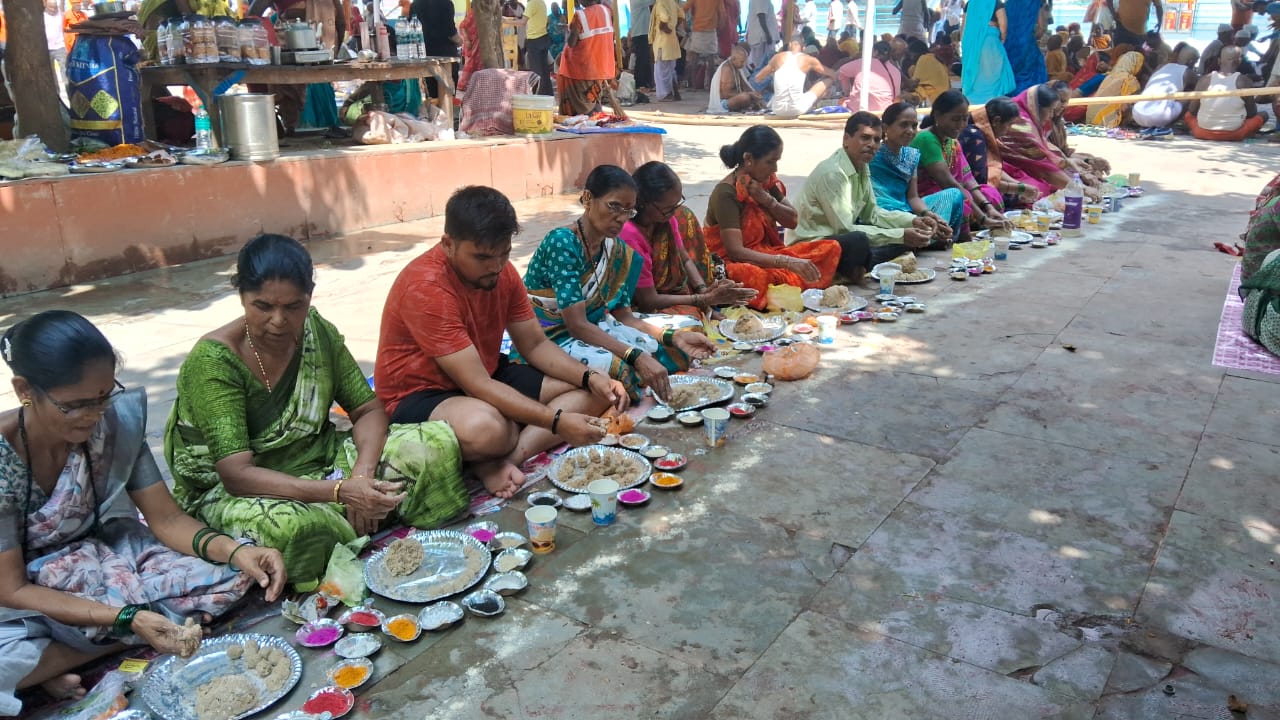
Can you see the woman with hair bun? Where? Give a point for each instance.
(80, 575)
(743, 218)
(582, 280)
(250, 443)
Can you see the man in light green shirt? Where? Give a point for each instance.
(838, 203)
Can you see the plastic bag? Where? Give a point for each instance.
(105, 700)
(793, 362)
(785, 297)
(344, 577)
(973, 250)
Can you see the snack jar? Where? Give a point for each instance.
(228, 38)
(163, 56)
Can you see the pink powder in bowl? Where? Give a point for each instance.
(322, 636)
(483, 536)
(632, 496)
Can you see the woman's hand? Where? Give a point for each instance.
(1029, 195)
(694, 344)
(369, 498)
(925, 224)
(166, 636)
(265, 566)
(606, 388)
(728, 292)
(804, 268)
(944, 232)
(653, 376)
(915, 239)
(757, 192)
(578, 429)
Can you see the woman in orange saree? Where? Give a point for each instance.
(743, 218)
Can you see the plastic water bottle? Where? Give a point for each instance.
(1074, 196)
(419, 41)
(204, 131)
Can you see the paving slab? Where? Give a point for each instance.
(1246, 410)
(1233, 480)
(821, 668)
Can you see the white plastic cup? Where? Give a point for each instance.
(716, 422)
(827, 329)
(604, 500)
(888, 274)
(541, 521)
(1002, 248)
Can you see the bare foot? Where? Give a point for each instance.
(502, 479)
(64, 687)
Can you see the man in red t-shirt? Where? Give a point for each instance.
(439, 352)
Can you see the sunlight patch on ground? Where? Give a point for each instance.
(1044, 517)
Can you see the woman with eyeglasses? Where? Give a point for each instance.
(582, 280)
(743, 216)
(79, 574)
(675, 264)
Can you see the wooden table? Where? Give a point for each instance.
(204, 79)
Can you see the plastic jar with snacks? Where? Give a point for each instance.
(255, 47)
(228, 39)
(206, 40)
(163, 56)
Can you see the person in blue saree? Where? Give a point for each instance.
(1022, 46)
(582, 280)
(893, 175)
(985, 72)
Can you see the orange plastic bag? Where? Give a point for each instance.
(793, 362)
(619, 423)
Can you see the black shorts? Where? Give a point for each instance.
(417, 407)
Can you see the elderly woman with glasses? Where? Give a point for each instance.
(582, 281)
(80, 575)
(675, 264)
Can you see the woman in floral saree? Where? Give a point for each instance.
(743, 216)
(250, 443)
(582, 280)
(893, 175)
(79, 573)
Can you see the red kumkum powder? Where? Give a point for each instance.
(330, 702)
(364, 618)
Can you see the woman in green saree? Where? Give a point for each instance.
(250, 444)
(582, 280)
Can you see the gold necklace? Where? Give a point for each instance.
(266, 380)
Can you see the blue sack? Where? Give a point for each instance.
(104, 90)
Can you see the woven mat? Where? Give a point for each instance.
(1234, 349)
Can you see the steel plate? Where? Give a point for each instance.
(725, 386)
(553, 472)
(452, 563)
(170, 687)
(813, 301)
(775, 326)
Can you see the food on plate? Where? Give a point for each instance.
(158, 158)
(688, 394)
(837, 296)
(189, 637)
(225, 697)
(911, 271)
(750, 327)
(404, 557)
(119, 152)
(580, 470)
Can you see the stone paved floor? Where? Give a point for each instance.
(957, 516)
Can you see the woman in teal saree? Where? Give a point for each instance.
(582, 280)
(250, 443)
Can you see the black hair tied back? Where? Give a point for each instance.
(51, 350)
(273, 257)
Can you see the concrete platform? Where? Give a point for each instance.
(81, 228)
(956, 517)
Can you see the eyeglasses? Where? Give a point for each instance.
(618, 211)
(668, 212)
(77, 407)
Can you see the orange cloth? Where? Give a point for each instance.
(706, 14)
(1250, 126)
(760, 233)
(592, 58)
(73, 16)
(1055, 64)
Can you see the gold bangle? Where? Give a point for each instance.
(337, 489)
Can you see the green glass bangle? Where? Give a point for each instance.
(195, 539)
(123, 624)
(232, 556)
(208, 540)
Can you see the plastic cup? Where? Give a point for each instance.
(1094, 213)
(604, 500)
(1002, 248)
(541, 521)
(1135, 179)
(1042, 222)
(888, 276)
(716, 422)
(827, 329)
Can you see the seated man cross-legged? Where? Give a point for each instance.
(1224, 118)
(439, 354)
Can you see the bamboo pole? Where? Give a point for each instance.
(1195, 95)
(834, 121)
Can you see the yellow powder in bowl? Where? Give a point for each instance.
(402, 628)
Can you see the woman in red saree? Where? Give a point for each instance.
(743, 216)
(470, 49)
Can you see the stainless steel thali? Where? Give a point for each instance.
(725, 390)
(553, 472)
(813, 301)
(452, 562)
(774, 326)
(170, 687)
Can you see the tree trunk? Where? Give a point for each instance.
(30, 72)
(489, 31)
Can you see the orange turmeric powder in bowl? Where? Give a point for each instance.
(404, 628)
(351, 674)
